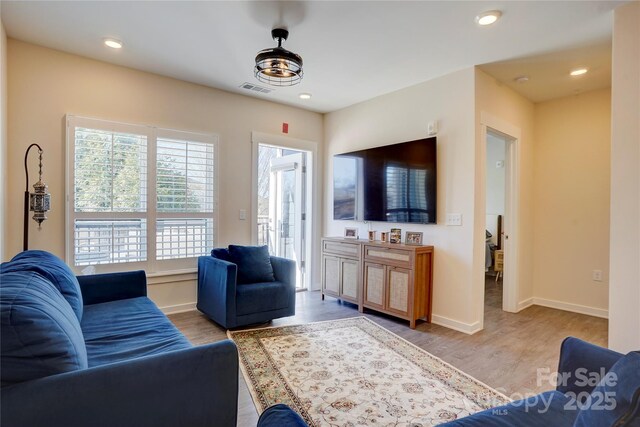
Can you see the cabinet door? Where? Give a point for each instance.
(399, 296)
(331, 275)
(350, 278)
(374, 285)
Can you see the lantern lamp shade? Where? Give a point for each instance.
(39, 202)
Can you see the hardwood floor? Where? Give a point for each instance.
(505, 355)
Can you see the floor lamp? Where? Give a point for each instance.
(39, 202)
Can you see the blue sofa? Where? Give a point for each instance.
(95, 351)
(232, 302)
(576, 402)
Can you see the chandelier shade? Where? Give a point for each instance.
(277, 66)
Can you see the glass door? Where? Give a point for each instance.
(287, 210)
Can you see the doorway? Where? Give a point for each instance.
(282, 205)
(501, 215)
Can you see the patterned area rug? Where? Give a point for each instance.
(354, 372)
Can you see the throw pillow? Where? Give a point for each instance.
(54, 270)
(254, 263)
(616, 399)
(40, 334)
(221, 253)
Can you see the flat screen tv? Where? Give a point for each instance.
(392, 183)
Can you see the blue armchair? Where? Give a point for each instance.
(232, 304)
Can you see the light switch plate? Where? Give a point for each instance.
(454, 219)
(243, 214)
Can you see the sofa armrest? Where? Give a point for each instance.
(284, 270)
(217, 289)
(99, 288)
(581, 361)
(192, 387)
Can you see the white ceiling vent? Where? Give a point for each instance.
(255, 88)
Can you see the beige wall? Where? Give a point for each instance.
(45, 84)
(403, 116)
(571, 201)
(512, 113)
(3, 138)
(624, 276)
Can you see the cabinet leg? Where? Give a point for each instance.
(412, 323)
(360, 309)
(323, 297)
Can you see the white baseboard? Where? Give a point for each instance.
(525, 304)
(467, 328)
(576, 308)
(178, 308)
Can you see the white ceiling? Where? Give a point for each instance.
(352, 51)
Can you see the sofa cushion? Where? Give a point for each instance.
(260, 297)
(254, 263)
(221, 253)
(41, 335)
(124, 329)
(280, 415)
(616, 399)
(543, 410)
(53, 269)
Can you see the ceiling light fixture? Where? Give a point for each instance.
(521, 79)
(579, 72)
(305, 96)
(113, 43)
(488, 18)
(277, 66)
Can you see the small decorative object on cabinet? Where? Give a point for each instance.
(395, 236)
(372, 236)
(392, 278)
(384, 236)
(351, 232)
(413, 238)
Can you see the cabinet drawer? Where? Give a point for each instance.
(341, 248)
(397, 257)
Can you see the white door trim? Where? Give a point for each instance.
(513, 133)
(314, 194)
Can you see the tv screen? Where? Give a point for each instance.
(393, 183)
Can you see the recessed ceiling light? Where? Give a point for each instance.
(488, 18)
(113, 43)
(521, 79)
(305, 96)
(579, 71)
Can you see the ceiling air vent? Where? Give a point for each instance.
(255, 88)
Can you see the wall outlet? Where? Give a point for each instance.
(597, 275)
(243, 214)
(454, 219)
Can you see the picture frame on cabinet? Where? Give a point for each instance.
(413, 238)
(350, 233)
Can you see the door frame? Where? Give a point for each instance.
(285, 164)
(313, 214)
(513, 136)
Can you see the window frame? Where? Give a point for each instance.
(152, 265)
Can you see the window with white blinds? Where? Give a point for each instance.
(139, 195)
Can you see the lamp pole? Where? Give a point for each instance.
(27, 196)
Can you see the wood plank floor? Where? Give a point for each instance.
(505, 355)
